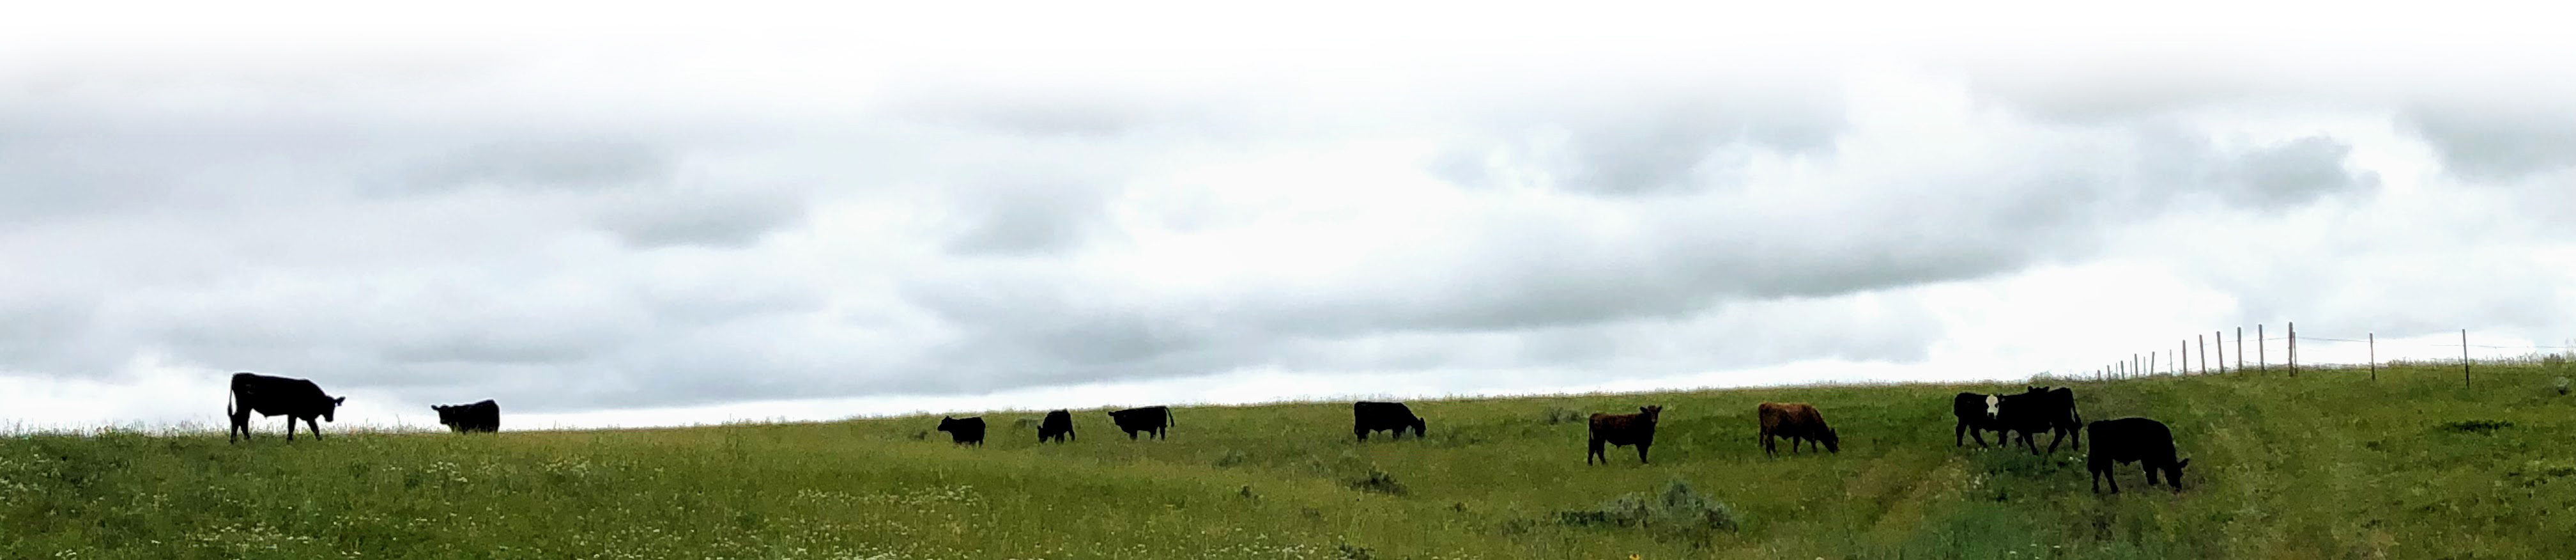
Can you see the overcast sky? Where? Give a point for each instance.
(622, 215)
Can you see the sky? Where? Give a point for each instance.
(642, 214)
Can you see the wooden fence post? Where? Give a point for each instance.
(2204, 354)
(2183, 357)
(2221, 336)
(2261, 364)
(2464, 358)
(2294, 349)
(2374, 356)
(2240, 349)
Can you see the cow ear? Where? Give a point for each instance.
(335, 401)
(2181, 464)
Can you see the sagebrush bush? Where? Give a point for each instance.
(1676, 513)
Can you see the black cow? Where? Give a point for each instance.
(1150, 419)
(1976, 412)
(296, 399)
(2037, 410)
(1374, 416)
(1624, 430)
(1057, 426)
(2133, 439)
(478, 417)
(969, 431)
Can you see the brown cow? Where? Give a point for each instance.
(1624, 430)
(1795, 421)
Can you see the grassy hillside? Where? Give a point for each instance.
(2328, 465)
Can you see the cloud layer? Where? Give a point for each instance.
(575, 230)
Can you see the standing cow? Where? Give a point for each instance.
(965, 431)
(1797, 422)
(1976, 414)
(1624, 430)
(1374, 416)
(1151, 419)
(482, 416)
(2040, 410)
(1057, 426)
(2133, 439)
(296, 399)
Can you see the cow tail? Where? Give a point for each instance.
(1170, 419)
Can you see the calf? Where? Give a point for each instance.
(1797, 422)
(296, 399)
(1976, 414)
(482, 416)
(964, 431)
(1374, 416)
(1057, 426)
(2133, 439)
(1151, 419)
(1624, 430)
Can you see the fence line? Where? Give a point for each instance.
(2180, 360)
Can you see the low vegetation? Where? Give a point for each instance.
(2326, 465)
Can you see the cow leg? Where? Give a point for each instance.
(1959, 435)
(2097, 480)
(1361, 432)
(241, 425)
(1641, 453)
(2055, 436)
(2150, 468)
(2030, 442)
(290, 428)
(1595, 451)
(310, 423)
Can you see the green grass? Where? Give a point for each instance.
(2328, 465)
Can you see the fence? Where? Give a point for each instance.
(2288, 354)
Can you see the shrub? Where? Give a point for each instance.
(1557, 415)
(1678, 513)
(1232, 457)
(2562, 385)
(1378, 481)
(2476, 426)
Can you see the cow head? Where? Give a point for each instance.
(1650, 412)
(335, 407)
(1994, 406)
(2173, 474)
(450, 415)
(1419, 426)
(947, 423)
(1833, 443)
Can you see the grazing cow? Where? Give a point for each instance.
(1150, 419)
(2133, 439)
(2037, 410)
(1373, 416)
(478, 417)
(296, 399)
(1976, 414)
(1797, 422)
(1058, 426)
(968, 431)
(1624, 430)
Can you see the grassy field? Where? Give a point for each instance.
(2327, 465)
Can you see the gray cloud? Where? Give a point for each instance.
(2490, 144)
(1663, 141)
(569, 164)
(1026, 216)
(701, 216)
